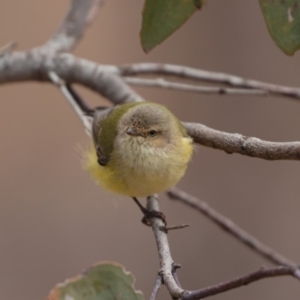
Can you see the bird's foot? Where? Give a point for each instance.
(150, 214)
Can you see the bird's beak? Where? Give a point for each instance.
(133, 131)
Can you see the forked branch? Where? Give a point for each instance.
(234, 230)
(207, 76)
(24, 66)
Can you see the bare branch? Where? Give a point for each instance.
(79, 16)
(177, 227)
(86, 120)
(162, 83)
(164, 253)
(33, 65)
(238, 282)
(157, 285)
(21, 66)
(237, 143)
(231, 228)
(201, 75)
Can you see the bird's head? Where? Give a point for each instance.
(149, 124)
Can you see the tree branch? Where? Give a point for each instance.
(32, 65)
(164, 253)
(162, 83)
(231, 228)
(79, 16)
(86, 120)
(235, 283)
(237, 143)
(207, 76)
(157, 285)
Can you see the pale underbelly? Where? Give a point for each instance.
(144, 178)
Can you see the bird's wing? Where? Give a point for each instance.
(100, 115)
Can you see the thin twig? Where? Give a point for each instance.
(164, 253)
(177, 227)
(207, 76)
(162, 83)
(79, 16)
(231, 228)
(238, 282)
(86, 120)
(237, 143)
(157, 286)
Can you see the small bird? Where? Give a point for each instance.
(139, 149)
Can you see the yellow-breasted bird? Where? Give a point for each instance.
(139, 149)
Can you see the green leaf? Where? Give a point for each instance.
(162, 17)
(283, 21)
(103, 281)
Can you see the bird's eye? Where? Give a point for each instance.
(152, 133)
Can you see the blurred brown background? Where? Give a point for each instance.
(54, 221)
